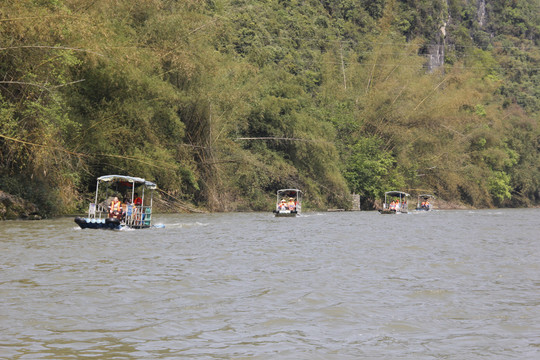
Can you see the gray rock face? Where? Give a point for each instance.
(13, 207)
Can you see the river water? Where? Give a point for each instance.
(353, 285)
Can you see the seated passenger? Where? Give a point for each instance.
(291, 204)
(137, 201)
(115, 209)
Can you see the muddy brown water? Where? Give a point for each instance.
(354, 285)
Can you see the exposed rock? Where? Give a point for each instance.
(481, 13)
(435, 57)
(13, 207)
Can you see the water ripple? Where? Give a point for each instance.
(443, 285)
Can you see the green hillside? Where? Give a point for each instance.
(222, 102)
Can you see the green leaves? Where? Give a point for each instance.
(370, 171)
(333, 95)
(499, 186)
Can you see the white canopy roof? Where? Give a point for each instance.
(288, 190)
(396, 193)
(131, 179)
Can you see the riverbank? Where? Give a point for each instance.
(13, 207)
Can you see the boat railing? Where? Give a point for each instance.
(403, 207)
(92, 210)
(95, 210)
(138, 216)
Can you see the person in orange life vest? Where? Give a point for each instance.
(115, 209)
(282, 205)
(137, 201)
(392, 205)
(291, 204)
(137, 204)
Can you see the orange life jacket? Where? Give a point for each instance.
(116, 206)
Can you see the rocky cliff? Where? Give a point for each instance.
(13, 207)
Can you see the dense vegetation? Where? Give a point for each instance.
(222, 102)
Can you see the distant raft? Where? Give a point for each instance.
(424, 202)
(288, 203)
(395, 202)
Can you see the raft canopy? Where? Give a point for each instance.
(396, 193)
(289, 192)
(130, 179)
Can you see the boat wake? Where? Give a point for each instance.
(180, 225)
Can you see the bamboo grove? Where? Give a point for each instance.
(222, 102)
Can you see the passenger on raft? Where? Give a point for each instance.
(137, 201)
(292, 204)
(115, 209)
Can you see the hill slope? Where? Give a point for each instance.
(221, 102)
